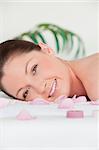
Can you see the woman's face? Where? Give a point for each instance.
(36, 74)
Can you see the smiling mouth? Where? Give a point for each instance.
(53, 88)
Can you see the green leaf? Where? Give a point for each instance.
(57, 31)
(56, 39)
(37, 33)
(32, 36)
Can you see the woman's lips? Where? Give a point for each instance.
(53, 88)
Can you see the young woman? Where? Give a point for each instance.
(28, 71)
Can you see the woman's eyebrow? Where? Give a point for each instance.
(19, 91)
(26, 66)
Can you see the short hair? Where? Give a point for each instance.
(8, 49)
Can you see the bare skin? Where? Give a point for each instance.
(80, 77)
(87, 70)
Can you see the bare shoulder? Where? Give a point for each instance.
(95, 58)
(92, 65)
(91, 77)
(87, 70)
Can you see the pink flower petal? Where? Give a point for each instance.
(95, 102)
(3, 102)
(75, 114)
(24, 115)
(66, 104)
(80, 99)
(60, 99)
(39, 101)
(74, 97)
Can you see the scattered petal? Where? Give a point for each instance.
(95, 102)
(75, 114)
(60, 98)
(24, 115)
(74, 97)
(39, 101)
(66, 104)
(80, 99)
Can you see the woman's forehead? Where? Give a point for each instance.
(20, 58)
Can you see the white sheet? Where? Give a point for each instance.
(53, 131)
(50, 128)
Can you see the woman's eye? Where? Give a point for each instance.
(34, 68)
(25, 94)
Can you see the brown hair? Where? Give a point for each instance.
(8, 49)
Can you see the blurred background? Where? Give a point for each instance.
(80, 17)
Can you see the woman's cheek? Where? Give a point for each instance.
(47, 65)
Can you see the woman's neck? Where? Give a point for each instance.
(77, 86)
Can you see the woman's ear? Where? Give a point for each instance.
(46, 49)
